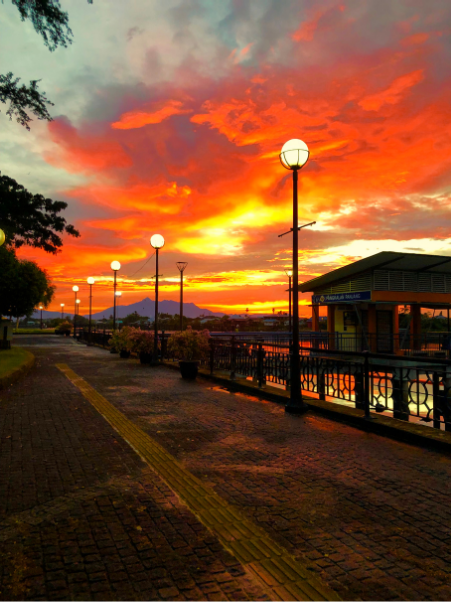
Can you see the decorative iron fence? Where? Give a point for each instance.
(405, 388)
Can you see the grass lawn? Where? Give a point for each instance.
(12, 359)
(34, 331)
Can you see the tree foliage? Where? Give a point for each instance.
(31, 219)
(52, 23)
(23, 285)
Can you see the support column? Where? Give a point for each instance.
(415, 326)
(396, 329)
(315, 317)
(372, 328)
(331, 326)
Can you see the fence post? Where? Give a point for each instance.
(400, 395)
(359, 380)
(260, 366)
(163, 346)
(212, 356)
(320, 375)
(233, 360)
(436, 401)
(366, 387)
(446, 401)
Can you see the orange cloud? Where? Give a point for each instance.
(394, 93)
(139, 118)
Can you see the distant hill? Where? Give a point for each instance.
(146, 308)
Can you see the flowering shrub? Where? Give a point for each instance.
(142, 341)
(189, 345)
(121, 340)
(64, 326)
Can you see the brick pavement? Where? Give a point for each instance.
(370, 515)
(82, 517)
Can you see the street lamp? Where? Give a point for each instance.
(289, 273)
(157, 242)
(2, 237)
(294, 156)
(40, 307)
(75, 289)
(181, 266)
(115, 266)
(90, 281)
(62, 311)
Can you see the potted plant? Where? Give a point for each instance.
(189, 347)
(64, 328)
(121, 341)
(142, 345)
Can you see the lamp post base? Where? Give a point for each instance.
(297, 407)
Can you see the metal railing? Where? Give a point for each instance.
(406, 388)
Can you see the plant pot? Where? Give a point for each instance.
(124, 354)
(189, 369)
(145, 358)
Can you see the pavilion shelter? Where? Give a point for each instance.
(363, 301)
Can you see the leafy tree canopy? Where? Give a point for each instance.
(23, 285)
(31, 219)
(52, 24)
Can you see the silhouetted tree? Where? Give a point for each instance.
(23, 285)
(31, 219)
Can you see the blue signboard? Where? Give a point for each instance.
(342, 298)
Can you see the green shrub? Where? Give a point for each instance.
(189, 345)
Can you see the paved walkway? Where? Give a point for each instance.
(82, 516)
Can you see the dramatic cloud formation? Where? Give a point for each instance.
(171, 118)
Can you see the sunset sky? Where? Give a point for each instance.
(169, 118)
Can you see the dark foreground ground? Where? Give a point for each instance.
(82, 516)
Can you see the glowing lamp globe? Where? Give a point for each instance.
(115, 265)
(78, 301)
(289, 273)
(75, 289)
(118, 293)
(2, 237)
(294, 154)
(157, 241)
(62, 304)
(91, 280)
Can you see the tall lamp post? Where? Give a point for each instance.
(294, 156)
(90, 281)
(289, 273)
(157, 242)
(115, 266)
(75, 289)
(40, 307)
(118, 300)
(181, 266)
(62, 311)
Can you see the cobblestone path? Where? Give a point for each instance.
(82, 516)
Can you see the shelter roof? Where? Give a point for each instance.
(392, 260)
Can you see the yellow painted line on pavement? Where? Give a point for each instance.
(271, 563)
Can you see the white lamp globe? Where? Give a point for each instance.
(118, 293)
(115, 265)
(62, 304)
(2, 237)
(91, 280)
(78, 301)
(157, 241)
(294, 154)
(75, 289)
(289, 273)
